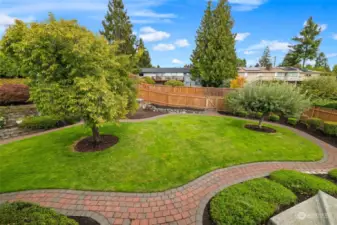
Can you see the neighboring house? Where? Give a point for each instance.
(161, 75)
(288, 74)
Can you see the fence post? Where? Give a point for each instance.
(313, 112)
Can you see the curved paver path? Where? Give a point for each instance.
(183, 205)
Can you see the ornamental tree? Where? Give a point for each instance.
(74, 72)
(267, 98)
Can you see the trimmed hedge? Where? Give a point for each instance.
(242, 113)
(47, 122)
(333, 174)
(251, 202)
(314, 123)
(274, 118)
(174, 83)
(330, 128)
(303, 184)
(28, 213)
(147, 80)
(14, 94)
(292, 121)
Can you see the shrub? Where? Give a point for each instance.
(259, 115)
(239, 82)
(147, 80)
(28, 213)
(68, 120)
(282, 98)
(303, 184)
(251, 202)
(326, 103)
(242, 113)
(321, 88)
(274, 118)
(40, 122)
(292, 121)
(333, 174)
(13, 94)
(330, 128)
(174, 83)
(314, 123)
(12, 81)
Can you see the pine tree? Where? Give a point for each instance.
(118, 28)
(241, 62)
(144, 60)
(214, 58)
(291, 59)
(322, 61)
(265, 60)
(308, 45)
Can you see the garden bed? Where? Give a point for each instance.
(87, 144)
(299, 126)
(82, 220)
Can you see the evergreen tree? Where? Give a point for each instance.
(308, 45)
(241, 62)
(214, 58)
(334, 70)
(257, 65)
(290, 59)
(322, 61)
(118, 28)
(144, 60)
(265, 60)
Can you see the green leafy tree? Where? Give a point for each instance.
(74, 72)
(307, 43)
(334, 70)
(117, 27)
(322, 61)
(144, 60)
(174, 83)
(269, 98)
(265, 60)
(291, 59)
(214, 58)
(241, 62)
(320, 88)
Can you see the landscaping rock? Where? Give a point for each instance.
(318, 210)
(155, 108)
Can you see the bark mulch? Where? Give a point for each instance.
(87, 144)
(81, 220)
(258, 129)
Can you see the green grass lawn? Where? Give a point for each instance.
(150, 156)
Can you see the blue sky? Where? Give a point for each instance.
(169, 26)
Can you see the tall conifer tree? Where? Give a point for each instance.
(117, 27)
(145, 59)
(265, 60)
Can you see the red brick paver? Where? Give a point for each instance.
(183, 205)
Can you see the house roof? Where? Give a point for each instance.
(275, 69)
(165, 70)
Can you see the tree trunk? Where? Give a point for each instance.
(261, 121)
(95, 135)
(303, 63)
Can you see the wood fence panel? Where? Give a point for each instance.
(322, 113)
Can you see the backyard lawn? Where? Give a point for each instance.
(150, 156)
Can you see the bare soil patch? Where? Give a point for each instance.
(87, 144)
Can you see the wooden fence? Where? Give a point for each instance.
(322, 113)
(184, 97)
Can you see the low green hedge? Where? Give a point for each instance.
(330, 128)
(242, 113)
(28, 213)
(274, 118)
(333, 174)
(251, 202)
(314, 123)
(303, 184)
(292, 121)
(47, 122)
(174, 83)
(257, 115)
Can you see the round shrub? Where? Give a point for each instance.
(147, 80)
(14, 94)
(242, 113)
(28, 213)
(330, 128)
(314, 123)
(40, 122)
(274, 118)
(251, 202)
(333, 174)
(174, 83)
(303, 184)
(292, 121)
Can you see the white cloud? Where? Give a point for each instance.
(177, 61)
(273, 46)
(164, 47)
(310, 62)
(249, 52)
(151, 14)
(241, 36)
(331, 55)
(246, 5)
(323, 27)
(148, 34)
(6, 20)
(182, 43)
(334, 36)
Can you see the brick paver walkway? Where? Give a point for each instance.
(183, 205)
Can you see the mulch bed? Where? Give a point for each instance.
(300, 126)
(143, 113)
(81, 220)
(86, 144)
(258, 129)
